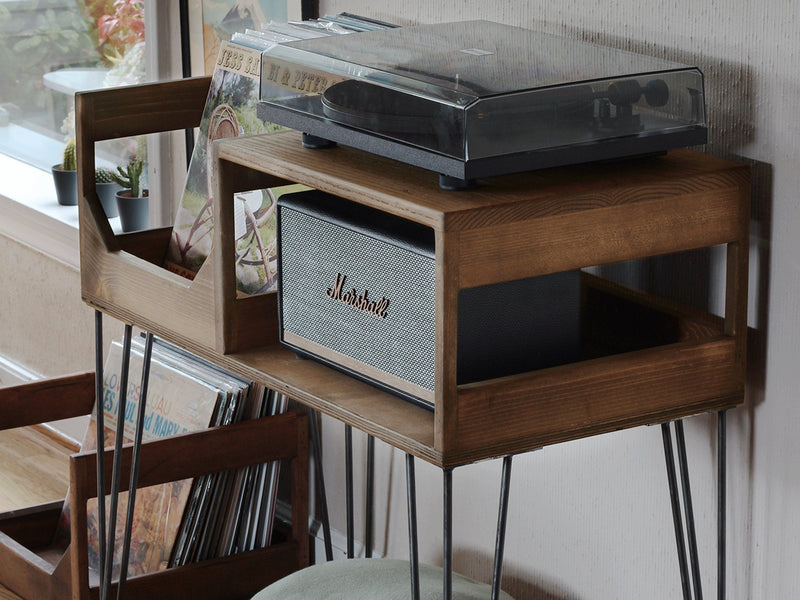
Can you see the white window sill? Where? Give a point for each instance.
(32, 216)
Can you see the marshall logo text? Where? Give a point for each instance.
(351, 298)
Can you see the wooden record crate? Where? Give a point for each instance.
(30, 567)
(122, 275)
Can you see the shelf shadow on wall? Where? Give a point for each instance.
(519, 585)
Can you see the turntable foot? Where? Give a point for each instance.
(315, 143)
(453, 184)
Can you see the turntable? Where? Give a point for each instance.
(477, 99)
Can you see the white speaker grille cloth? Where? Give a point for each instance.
(314, 252)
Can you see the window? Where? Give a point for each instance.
(49, 49)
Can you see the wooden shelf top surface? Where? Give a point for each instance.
(414, 193)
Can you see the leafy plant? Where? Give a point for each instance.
(117, 33)
(130, 177)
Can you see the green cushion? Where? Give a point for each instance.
(370, 579)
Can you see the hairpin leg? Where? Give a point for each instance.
(348, 445)
(137, 446)
(115, 473)
(676, 512)
(413, 553)
(319, 481)
(502, 517)
(688, 510)
(721, 505)
(370, 497)
(101, 443)
(447, 562)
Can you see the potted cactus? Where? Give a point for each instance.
(65, 176)
(132, 200)
(107, 190)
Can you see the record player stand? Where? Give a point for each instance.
(515, 227)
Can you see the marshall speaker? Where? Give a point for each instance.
(356, 291)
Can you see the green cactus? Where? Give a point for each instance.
(70, 161)
(130, 177)
(103, 175)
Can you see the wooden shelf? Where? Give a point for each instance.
(522, 226)
(674, 363)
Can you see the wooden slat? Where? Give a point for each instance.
(46, 400)
(240, 322)
(391, 419)
(198, 453)
(236, 577)
(145, 108)
(32, 526)
(599, 236)
(578, 400)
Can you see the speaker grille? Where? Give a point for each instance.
(315, 252)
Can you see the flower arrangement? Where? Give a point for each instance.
(120, 26)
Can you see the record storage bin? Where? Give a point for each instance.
(668, 362)
(32, 568)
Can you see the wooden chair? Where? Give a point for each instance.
(25, 535)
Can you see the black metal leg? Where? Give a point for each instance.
(721, 503)
(115, 473)
(413, 552)
(688, 510)
(101, 443)
(447, 562)
(676, 512)
(137, 446)
(348, 444)
(319, 481)
(502, 517)
(370, 497)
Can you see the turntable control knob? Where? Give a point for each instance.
(628, 91)
(656, 92)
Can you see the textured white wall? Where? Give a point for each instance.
(591, 519)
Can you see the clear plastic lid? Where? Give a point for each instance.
(477, 89)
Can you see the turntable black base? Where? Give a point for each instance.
(455, 173)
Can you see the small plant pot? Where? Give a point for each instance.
(107, 193)
(66, 183)
(133, 212)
